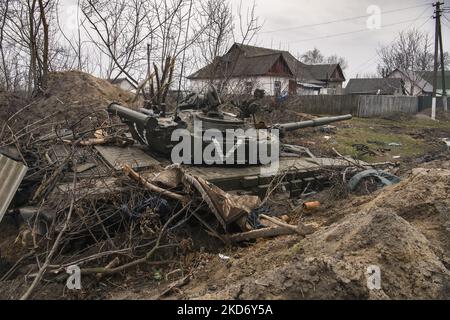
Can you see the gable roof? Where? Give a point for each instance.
(415, 78)
(424, 79)
(326, 71)
(244, 60)
(387, 86)
(429, 75)
(252, 51)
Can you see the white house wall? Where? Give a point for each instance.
(125, 85)
(238, 85)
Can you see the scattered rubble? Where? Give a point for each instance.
(403, 233)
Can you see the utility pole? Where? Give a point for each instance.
(444, 92)
(437, 44)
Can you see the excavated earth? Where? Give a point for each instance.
(402, 229)
(71, 97)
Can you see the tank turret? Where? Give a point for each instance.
(227, 138)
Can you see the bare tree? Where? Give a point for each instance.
(139, 39)
(121, 28)
(313, 56)
(43, 17)
(4, 8)
(32, 40)
(219, 28)
(249, 26)
(114, 28)
(215, 18)
(75, 43)
(335, 59)
(26, 34)
(367, 75)
(411, 53)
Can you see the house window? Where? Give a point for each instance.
(277, 88)
(248, 87)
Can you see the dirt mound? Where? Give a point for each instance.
(72, 96)
(403, 230)
(10, 103)
(423, 201)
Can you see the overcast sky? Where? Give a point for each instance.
(358, 48)
(285, 20)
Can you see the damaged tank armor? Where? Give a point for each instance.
(197, 110)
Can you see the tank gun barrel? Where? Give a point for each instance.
(127, 113)
(286, 127)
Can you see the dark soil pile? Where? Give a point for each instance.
(402, 229)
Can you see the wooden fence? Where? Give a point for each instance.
(373, 106)
(425, 103)
(324, 104)
(359, 106)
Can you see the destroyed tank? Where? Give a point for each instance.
(198, 128)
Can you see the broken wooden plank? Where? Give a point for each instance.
(84, 167)
(278, 222)
(259, 233)
(134, 157)
(135, 176)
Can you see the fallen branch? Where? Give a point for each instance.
(350, 160)
(55, 246)
(146, 258)
(114, 263)
(121, 142)
(301, 230)
(260, 233)
(210, 230)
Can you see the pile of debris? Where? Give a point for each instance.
(401, 229)
(72, 98)
(72, 201)
(77, 191)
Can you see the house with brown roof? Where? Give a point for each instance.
(246, 68)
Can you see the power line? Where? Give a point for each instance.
(352, 32)
(343, 20)
(363, 65)
(360, 67)
(444, 23)
(395, 39)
